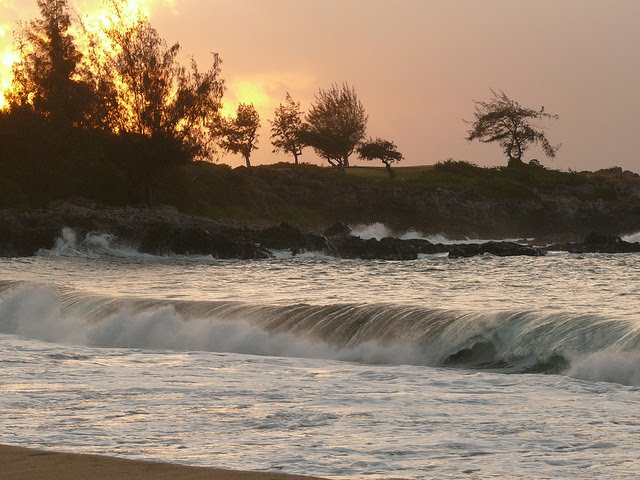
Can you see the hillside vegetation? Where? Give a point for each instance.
(456, 198)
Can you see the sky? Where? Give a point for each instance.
(418, 65)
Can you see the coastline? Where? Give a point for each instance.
(163, 231)
(31, 464)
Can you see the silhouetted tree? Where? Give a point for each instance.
(156, 96)
(240, 134)
(286, 127)
(336, 123)
(47, 76)
(380, 149)
(506, 122)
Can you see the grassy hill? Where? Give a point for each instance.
(457, 198)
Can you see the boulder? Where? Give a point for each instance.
(599, 243)
(500, 249)
(287, 237)
(372, 249)
(338, 229)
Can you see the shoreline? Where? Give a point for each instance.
(164, 230)
(32, 464)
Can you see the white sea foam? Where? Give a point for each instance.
(632, 238)
(100, 244)
(608, 366)
(94, 244)
(162, 400)
(380, 231)
(40, 313)
(389, 334)
(373, 230)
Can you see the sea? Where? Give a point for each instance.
(484, 367)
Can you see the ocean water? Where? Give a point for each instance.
(484, 367)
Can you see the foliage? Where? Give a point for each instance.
(286, 127)
(336, 123)
(240, 134)
(506, 122)
(155, 96)
(47, 78)
(380, 149)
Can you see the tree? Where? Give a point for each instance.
(286, 127)
(506, 122)
(336, 123)
(47, 76)
(154, 95)
(240, 134)
(380, 149)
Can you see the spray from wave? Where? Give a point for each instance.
(380, 231)
(588, 347)
(632, 238)
(98, 244)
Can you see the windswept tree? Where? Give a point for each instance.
(335, 124)
(506, 122)
(380, 149)
(47, 77)
(155, 96)
(240, 134)
(286, 127)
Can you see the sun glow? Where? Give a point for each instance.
(95, 15)
(266, 90)
(245, 91)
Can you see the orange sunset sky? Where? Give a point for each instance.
(417, 65)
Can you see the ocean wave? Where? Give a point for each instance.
(583, 346)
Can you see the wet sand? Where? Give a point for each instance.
(27, 464)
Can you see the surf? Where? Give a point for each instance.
(590, 347)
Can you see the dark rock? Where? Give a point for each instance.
(425, 247)
(287, 237)
(598, 243)
(603, 239)
(164, 239)
(500, 249)
(338, 229)
(385, 249)
(164, 230)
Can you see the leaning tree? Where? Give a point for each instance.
(380, 149)
(336, 124)
(514, 127)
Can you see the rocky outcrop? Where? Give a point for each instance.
(348, 246)
(499, 249)
(338, 229)
(164, 230)
(598, 243)
(287, 237)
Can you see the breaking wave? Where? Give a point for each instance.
(98, 244)
(586, 346)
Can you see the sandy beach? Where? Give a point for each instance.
(28, 464)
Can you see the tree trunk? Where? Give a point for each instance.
(391, 173)
(295, 158)
(514, 161)
(246, 159)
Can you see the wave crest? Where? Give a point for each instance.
(584, 346)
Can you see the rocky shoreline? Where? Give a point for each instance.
(164, 230)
